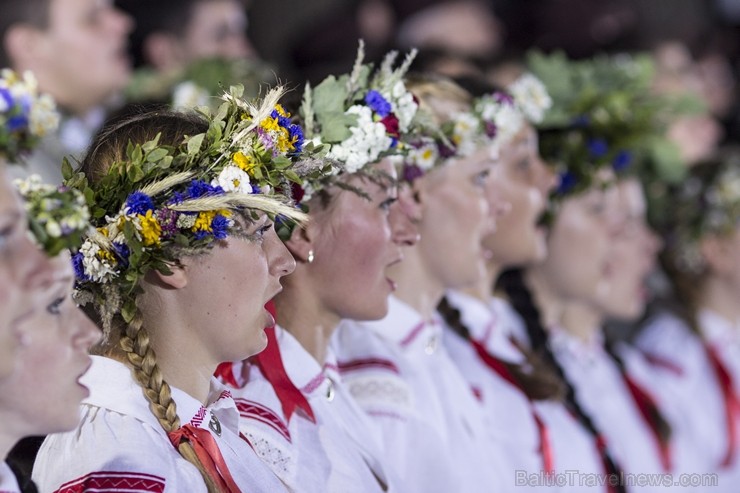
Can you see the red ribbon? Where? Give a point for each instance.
(208, 453)
(499, 367)
(647, 406)
(270, 362)
(732, 403)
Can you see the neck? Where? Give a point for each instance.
(720, 296)
(8, 437)
(300, 312)
(581, 321)
(483, 289)
(550, 305)
(416, 286)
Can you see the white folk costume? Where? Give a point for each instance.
(701, 374)
(608, 397)
(316, 441)
(535, 436)
(432, 424)
(8, 482)
(120, 446)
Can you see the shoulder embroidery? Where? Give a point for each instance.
(381, 393)
(258, 412)
(277, 458)
(111, 481)
(367, 363)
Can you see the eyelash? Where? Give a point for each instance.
(54, 306)
(480, 178)
(386, 204)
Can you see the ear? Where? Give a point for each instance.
(22, 43)
(178, 279)
(162, 51)
(718, 254)
(302, 241)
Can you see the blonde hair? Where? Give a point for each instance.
(436, 93)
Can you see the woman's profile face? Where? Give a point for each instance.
(228, 287)
(455, 218)
(42, 394)
(525, 182)
(633, 254)
(579, 245)
(24, 272)
(356, 240)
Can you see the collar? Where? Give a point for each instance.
(303, 369)
(112, 387)
(406, 328)
(586, 352)
(716, 329)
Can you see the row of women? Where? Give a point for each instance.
(385, 288)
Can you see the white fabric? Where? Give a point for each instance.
(119, 443)
(691, 390)
(604, 396)
(8, 483)
(510, 412)
(339, 453)
(402, 375)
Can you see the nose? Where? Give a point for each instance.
(279, 260)
(497, 205)
(547, 179)
(87, 333)
(118, 21)
(404, 217)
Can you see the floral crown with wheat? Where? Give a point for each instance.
(163, 202)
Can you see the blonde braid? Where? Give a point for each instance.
(143, 361)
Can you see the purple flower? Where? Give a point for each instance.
(446, 151)
(411, 172)
(377, 103)
(567, 182)
(139, 203)
(622, 161)
(168, 222)
(491, 129)
(79, 267)
(597, 148)
(503, 98)
(220, 227)
(198, 188)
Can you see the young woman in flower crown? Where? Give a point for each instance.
(433, 429)
(295, 409)
(520, 393)
(694, 343)
(44, 337)
(561, 299)
(183, 260)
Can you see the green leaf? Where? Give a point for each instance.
(128, 310)
(137, 155)
(67, 171)
(156, 155)
(335, 126)
(329, 96)
(194, 143)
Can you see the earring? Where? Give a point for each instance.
(310, 257)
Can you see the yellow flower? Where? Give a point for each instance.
(105, 255)
(281, 111)
(204, 219)
(270, 124)
(150, 229)
(247, 163)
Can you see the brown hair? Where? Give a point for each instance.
(132, 338)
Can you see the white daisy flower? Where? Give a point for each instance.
(233, 179)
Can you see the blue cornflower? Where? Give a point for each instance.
(5, 94)
(17, 122)
(622, 161)
(597, 148)
(255, 188)
(377, 103)
(296, 132)
(122, 252)
(567, 181)
(198, 188)
(139, 203)
(220, 227)
(79, 268)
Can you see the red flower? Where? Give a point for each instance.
(391, 125)
(297, 192)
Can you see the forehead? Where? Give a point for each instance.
(10, 202)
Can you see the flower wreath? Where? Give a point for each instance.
(604, 115)
(25, 115)
(163, 202)
(495, 118)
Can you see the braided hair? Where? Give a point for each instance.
(513, 284)
(534, 377)
(132, 339)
